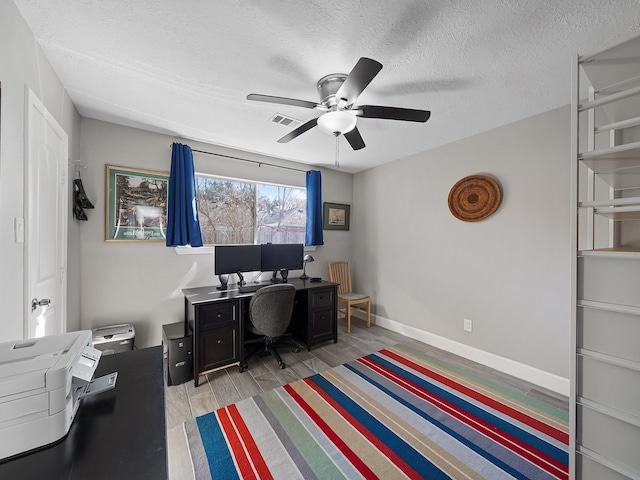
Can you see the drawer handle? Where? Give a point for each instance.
(219, 340)
(219, 315)
(181, 364)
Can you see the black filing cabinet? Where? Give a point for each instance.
(178, 351)
(314, 315)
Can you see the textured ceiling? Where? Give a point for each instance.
(185, 68)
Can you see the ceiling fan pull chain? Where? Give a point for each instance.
(337, 152)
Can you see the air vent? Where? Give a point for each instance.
(286, 121)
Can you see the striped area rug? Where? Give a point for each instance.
(397, 413)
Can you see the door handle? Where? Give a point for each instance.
(35, 303)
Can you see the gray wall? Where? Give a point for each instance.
(142, 282)
(509, 273)
(22, 64)
(425, 269)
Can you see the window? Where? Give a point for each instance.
(236, 211)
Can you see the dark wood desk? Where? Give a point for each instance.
(117, 434)
(216, 318)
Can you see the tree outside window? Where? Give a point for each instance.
(237, 212)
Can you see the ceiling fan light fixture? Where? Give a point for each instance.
(337, 122)
(338, 94)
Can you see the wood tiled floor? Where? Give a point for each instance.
(223, 387)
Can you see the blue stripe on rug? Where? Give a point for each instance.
(393, 415)
(417, 426)
(545, 409)
(216, 448)
(462, 439)
(459, 400)
(405, 451)
(499, 423)
(492, 452)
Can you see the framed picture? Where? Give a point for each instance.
(335, 216)
(136, 204)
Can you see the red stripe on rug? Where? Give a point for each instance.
(251, 446)
(242, 461)
(501, 407)
(540, 459)
(333, 436)
(381, 446)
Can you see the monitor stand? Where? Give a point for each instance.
(284, 273)
(224, 280)
(240, 279)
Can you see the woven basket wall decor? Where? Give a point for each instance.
(474, 198)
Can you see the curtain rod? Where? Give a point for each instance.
(246, 160)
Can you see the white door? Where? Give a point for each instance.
(46, 170)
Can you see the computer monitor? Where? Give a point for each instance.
(236, 259)
(282, 257)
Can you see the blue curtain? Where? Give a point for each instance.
(313, 234)
(183, 225)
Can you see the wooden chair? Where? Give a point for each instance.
(340, 272)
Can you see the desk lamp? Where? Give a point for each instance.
(305, 260)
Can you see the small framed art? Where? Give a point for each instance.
(335, 216)
(136, 204)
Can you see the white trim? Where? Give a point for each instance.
(204, 250)
(528, 373)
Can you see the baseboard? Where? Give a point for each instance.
(530, 374)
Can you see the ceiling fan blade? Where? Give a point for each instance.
(299, 131)
(281, 100)
(392, 113)
(357, 80)
(354, 139)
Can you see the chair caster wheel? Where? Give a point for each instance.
(282, 366)
(243, 367)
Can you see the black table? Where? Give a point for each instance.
(117, 434)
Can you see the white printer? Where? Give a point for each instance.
(42, 381)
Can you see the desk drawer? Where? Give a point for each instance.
(216, 315)
(322, 324)
(321, 298)
(218, 348)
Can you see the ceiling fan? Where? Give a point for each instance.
(338, 93)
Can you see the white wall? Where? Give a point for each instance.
(22, 63)
(509, 273)
(141, 283)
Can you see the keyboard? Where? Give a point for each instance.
(250, 288)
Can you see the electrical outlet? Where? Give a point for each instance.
(468, 325)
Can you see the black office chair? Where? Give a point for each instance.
(270, 311)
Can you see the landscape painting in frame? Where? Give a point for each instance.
(335, 216)
(136, 204)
